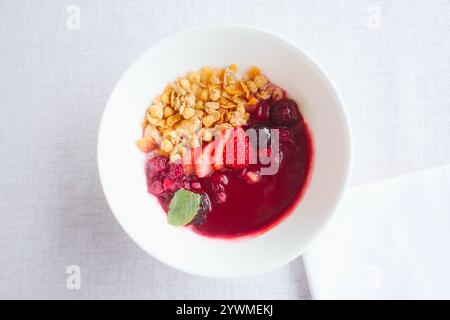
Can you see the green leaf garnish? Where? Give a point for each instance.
(183, 207)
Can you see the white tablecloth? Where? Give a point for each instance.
(388, 58)
(389, 240)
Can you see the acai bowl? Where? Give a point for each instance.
(223, 151)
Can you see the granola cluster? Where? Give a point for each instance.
(194, 108)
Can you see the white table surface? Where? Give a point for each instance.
(390, 60)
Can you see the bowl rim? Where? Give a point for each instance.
(345, 118)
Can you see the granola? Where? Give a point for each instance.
(192, 108)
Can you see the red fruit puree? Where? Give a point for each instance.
(239, 201)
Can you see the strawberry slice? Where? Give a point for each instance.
(198, 161)
(203, 161)
(231, 148)
(239, 151)
(219, 150)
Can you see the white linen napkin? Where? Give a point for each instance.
(389, 240)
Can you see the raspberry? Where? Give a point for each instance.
(196, 186)
(157, 164)
(172, 184)
(187, 185)
(284, 113)
(176, 171)
(155, 188)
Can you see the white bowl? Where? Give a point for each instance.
(121, 164)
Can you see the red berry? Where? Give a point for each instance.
(155, 188)
(165, 200)
(176, 171)
(221, 197)
(262, 111)
(187, 185)
(172, 184)
(263, 135)
(218, 188)
(242, 152)
(219, 179)
(284, 113)
(205, 208)
(157, 164)
(196, 186)
(242, 173)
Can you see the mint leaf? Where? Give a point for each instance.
(183, 207)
